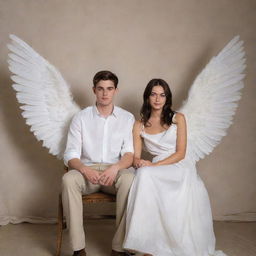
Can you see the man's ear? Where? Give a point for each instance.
(116, 91)
(93, 89)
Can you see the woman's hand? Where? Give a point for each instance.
(145, 163)
(137, 163)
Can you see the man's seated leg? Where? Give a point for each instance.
(122, 186)
(74, 185)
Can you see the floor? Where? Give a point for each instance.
(235, 239)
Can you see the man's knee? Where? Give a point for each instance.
(70, 178)
(125, 180)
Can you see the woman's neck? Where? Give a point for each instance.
(156, 114)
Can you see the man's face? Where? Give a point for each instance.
(105, 91)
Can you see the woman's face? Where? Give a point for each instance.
(157, 98)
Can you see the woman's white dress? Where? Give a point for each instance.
(168, 211)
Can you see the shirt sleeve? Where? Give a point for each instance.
(74, 140)
(128, 137)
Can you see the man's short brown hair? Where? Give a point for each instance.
(105, 75)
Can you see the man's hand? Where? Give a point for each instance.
(92, 175)
(108, 176)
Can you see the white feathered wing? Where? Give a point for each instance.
(44, 94)
(213, 99)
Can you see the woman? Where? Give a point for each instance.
(168, 210)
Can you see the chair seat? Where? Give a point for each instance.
(98, 197)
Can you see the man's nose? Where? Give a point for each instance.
(105, 92)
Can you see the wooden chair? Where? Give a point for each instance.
(98, 197)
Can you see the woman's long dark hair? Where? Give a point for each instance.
(167, 113)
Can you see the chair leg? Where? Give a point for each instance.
(60, 226)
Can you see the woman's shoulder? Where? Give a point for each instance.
(138, 126)
(178, 117)
(138, 123)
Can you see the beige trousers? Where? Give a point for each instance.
(74, 185)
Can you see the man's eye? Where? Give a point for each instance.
(163, 95)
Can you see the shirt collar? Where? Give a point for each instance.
(96, 111)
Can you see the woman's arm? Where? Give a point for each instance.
(181, 142)
(137, 143)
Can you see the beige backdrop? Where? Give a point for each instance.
(138, 40)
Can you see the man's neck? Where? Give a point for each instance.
(105, 111)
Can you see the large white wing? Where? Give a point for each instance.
(213, 99)
(44, 94)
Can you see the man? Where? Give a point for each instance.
(99, 149)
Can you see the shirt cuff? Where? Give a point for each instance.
(70, 155)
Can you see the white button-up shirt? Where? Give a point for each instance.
(96, 139)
